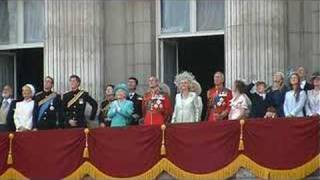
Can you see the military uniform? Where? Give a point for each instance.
(74, 104)
(49, 110)
(218, 102)
(156, 108)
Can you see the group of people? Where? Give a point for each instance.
(122, 106)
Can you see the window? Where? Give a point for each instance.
(8, 22)
(21, 22)
(175, 15)
(210, 15)
(192, 16)
(33, 21)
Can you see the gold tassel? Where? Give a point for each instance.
(86, 149)
(163, 151)
(10, 157)
(241, 142)
(241, 145)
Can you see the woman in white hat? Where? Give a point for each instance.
(187, 107)
(313, 96)
(22, 113)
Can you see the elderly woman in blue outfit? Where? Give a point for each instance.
(121, 109)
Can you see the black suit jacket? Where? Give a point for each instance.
(308, 87)
(77, 110)
(137, 104)
(10, 121)
(259, 105)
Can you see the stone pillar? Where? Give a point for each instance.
(74, 43)
(130, 40)
(255, 39)
(304, 34)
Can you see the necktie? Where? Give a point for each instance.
(5, 105)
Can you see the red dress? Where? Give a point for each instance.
(156, 108)
(218, 102)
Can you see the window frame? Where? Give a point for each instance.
(20, 44)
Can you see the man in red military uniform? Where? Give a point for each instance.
(156, 105)
(219, 99)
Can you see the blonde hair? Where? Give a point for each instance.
(196, 87)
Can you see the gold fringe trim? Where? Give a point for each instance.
(163, 151)
(10, 156)
(85, 153)
(12, 174)
(292, 174)
(165, 165)
(241, 142)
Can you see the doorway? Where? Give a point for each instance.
(203, 56)
(26, 66)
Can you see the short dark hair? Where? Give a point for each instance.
(109, 85)
(51, 78)
(258, 83)
(75, 77)
(240, 86)
(135, 79)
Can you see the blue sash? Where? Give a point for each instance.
(44, 107)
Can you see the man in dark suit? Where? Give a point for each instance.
(136, 99)
(258, 99)
(5, 103)
(304, 84)
(49, 106)
(74, 105)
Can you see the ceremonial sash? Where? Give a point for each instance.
(44, 104)
(51, 96)
(74, 99)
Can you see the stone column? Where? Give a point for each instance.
(74, 43)
(255, 39)
(304, 34)
(130, 40)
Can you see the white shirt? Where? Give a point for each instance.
(131, 95)
(186, 109)
(313, 102)
(23, 115)
(294, 108)
(303, 84)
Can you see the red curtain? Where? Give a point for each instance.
(199, 148)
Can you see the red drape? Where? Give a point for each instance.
(282, 144)
(201, 148)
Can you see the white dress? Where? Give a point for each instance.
(186, 109)
(240, 107)
(23, 115)
(313, 102)
(292, 107)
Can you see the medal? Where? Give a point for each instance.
(158, 101)
(81, 101)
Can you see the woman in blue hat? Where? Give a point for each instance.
(121, 109)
